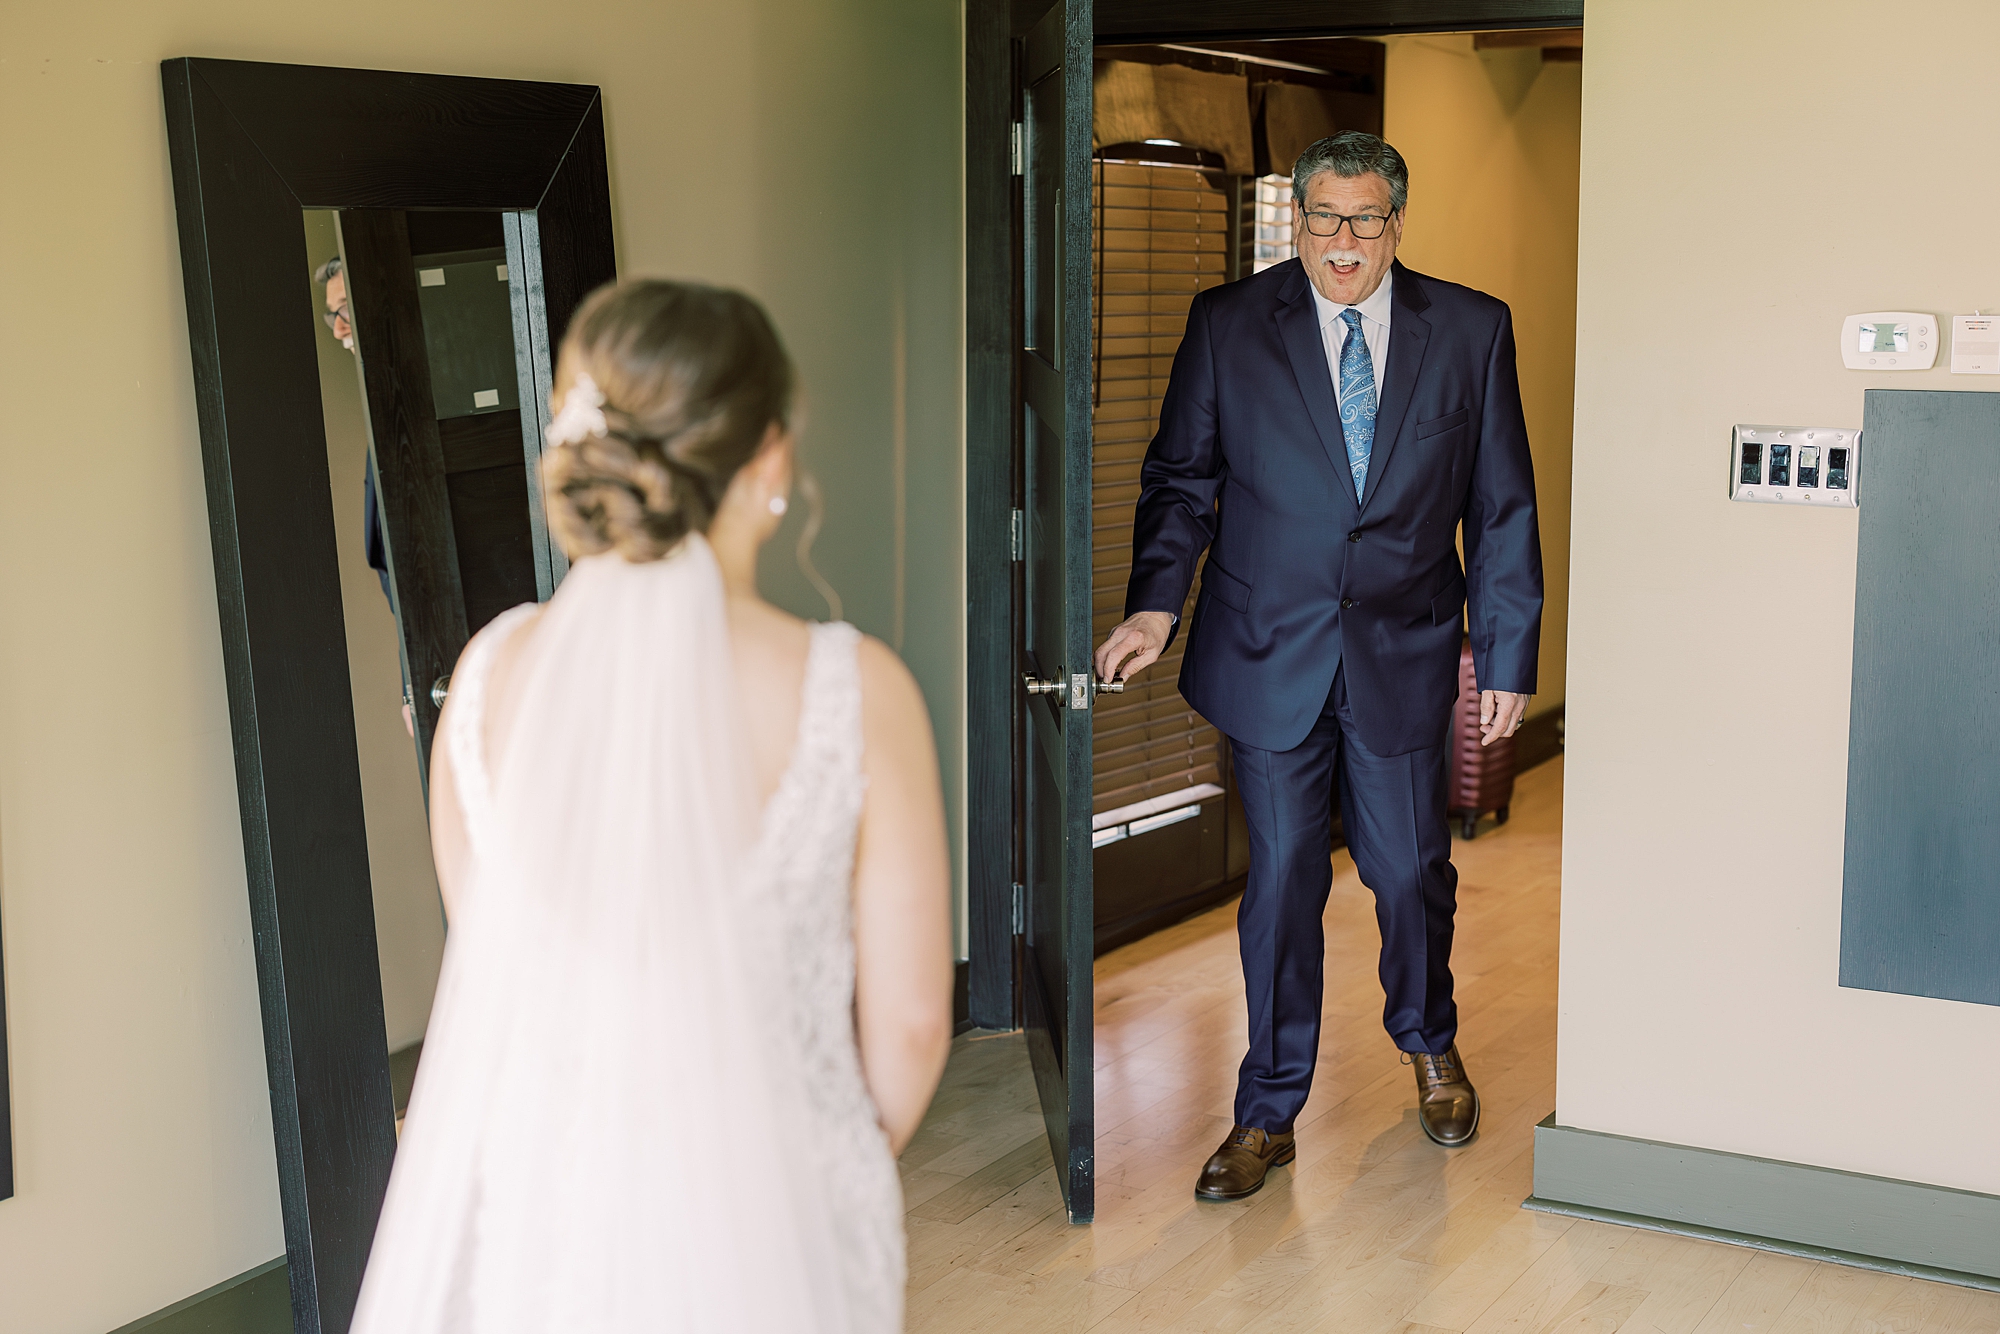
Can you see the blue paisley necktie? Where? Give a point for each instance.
(1357, 398)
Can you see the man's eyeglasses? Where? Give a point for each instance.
(1365, 226)
(342, 313)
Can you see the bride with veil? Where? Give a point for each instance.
(696, 994)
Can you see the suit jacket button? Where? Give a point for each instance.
(1354, 536)
(1347, 602)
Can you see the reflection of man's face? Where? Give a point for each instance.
(1344, 269)
(336, 306)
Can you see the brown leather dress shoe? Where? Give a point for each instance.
(1447, 1104)
(1238, 1167)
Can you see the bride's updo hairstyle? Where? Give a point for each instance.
(693, 378)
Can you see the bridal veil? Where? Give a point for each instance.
(605, 1131)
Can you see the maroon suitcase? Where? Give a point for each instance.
(1477, 778)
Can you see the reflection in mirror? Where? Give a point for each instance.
(461, 270)
(424, 302)
(427, 297)
(409, 927)
(416, 353)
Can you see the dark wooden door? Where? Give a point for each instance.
(1054, 412)
(408, 455)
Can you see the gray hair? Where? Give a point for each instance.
(327, 270)
(1353, 153)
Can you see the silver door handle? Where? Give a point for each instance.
(1037, 686)
(439, 689)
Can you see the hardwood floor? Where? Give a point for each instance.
(1373, 1228)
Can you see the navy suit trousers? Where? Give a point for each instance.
(1392, 809)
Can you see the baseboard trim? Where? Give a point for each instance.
(961, 997)
(258, 1301)
(1108, 936)
(1804, 1252)
(1899, 1227)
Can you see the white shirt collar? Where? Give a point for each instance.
(1376, 307)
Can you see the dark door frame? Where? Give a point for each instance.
(1255, 20)
(252, 146)
(992, 298)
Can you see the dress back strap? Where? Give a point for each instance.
(465, 737)
(830, 710)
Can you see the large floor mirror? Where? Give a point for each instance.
(377, 266)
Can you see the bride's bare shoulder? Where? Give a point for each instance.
(892, 705)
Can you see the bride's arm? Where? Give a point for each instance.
(902, 908)
(449, 850)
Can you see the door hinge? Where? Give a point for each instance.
(1017, 149)
(1020, 908)
(1017, 533)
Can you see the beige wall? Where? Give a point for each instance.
(807, 151)
(1735, 207)
(1491, 138)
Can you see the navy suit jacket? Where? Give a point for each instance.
(1249, 465)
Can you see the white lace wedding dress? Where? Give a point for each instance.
(641, 1106)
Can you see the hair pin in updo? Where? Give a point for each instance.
(582, 414)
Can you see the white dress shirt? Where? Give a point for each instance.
(1374, 331)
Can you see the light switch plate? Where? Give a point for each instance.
(1817, 466)
(1890, 340)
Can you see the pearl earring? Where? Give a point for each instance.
(779, 505)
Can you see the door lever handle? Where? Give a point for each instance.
(1036, 686)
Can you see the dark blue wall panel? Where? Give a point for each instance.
(1920, 907)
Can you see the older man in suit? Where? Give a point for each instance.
(1332, 426)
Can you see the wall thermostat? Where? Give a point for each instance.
(1889, 340)
(1796, 465)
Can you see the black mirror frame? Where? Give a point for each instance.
(252, 146)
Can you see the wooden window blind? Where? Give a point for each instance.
(1162, 235)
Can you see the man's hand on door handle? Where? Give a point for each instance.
(1141, 638)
